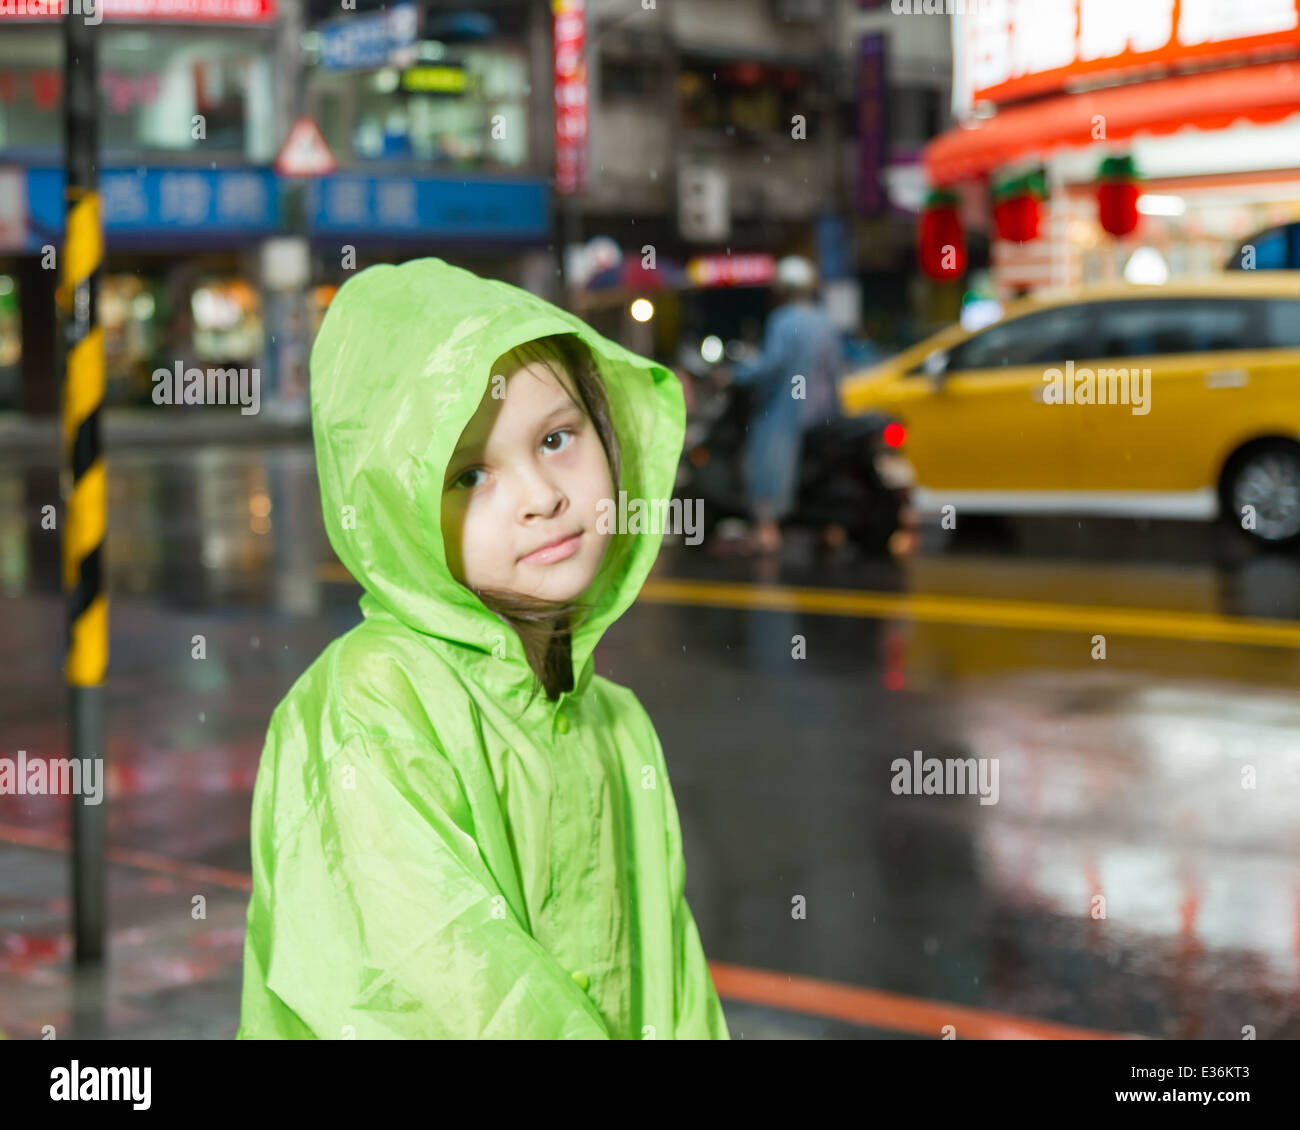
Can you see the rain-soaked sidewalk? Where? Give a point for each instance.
(1139, 872)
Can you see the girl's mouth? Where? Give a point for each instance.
(556, 551)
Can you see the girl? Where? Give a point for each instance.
(458, 830)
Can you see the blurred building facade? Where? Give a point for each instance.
(439, 125)
(187, 126)
(1203, 98)
(721, 133)
(740, 128)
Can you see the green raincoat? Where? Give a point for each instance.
(430, 858)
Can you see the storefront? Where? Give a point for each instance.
(180, 278)
(164, 89)
(188, 119)
(192, 210)
(448, 90)
(1196, 106)
(499, 226)
(183, 277)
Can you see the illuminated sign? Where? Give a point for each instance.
(1005, 50)
(435, 80)
(570, 37)
(731, 270)
(161, 11)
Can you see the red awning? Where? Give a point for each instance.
(1210, 100)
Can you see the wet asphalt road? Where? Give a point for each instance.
(1124, 882)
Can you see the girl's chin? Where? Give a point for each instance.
(555, 582)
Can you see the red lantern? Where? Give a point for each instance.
(1117, 196)
(1017, 209)
(941, 243)
(1017, 218)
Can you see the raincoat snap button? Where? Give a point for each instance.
(562, 723)
(582, 979)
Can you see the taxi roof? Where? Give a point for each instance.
(1281, 284)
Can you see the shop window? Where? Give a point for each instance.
(153, 320)
(129, 314)
(318, 302)
(467, 107)
(915, 113)
(227, 315)
(160, 89)
(11, 344)
(630, 81)
(744, 99)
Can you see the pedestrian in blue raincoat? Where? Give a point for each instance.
(798, 341)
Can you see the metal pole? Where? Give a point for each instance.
(84, 486)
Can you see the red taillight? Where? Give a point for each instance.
(895, 435)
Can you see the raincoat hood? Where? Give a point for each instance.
(398, 369)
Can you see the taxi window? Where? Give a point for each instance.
(1041, 338)
(1157, 326)
(1283, 330)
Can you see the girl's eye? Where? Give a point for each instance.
(461, 478)
(562, 432)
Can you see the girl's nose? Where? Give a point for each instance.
(540, 498)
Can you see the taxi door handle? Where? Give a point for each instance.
(1227, 378)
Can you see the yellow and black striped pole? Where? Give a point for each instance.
(85, 495)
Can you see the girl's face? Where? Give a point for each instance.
(520, 497)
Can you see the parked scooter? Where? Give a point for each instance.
(839, 481)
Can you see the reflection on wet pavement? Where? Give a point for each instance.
(1139, 873)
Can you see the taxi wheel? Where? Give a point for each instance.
(1265, 478)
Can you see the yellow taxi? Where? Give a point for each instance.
(1172, 401)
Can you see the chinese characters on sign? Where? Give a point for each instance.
(1011, 49)
(377, 39)
(731, 270)
(143, 202)
(570, 95)
(428, 206)
(43, 87)
(179, 11)
(873, 121)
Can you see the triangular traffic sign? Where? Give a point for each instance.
(304, 153)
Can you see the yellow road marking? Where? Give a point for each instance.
(984, 611)
(938, 609)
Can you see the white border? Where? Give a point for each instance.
(1195, 505)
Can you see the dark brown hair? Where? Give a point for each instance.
(545, 627)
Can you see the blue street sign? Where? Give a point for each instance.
(363, 42)
(350, 204)
(152, 201)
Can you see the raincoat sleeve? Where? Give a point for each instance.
(697, 1010)
(385, 922)
(773, 362)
